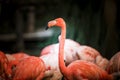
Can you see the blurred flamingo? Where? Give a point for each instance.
(78, 69)
(52, 69)
(69, 44)
(10, 57)
(5, 70)
(74, 51)
(102, 62)
(70, 50)
(12, 62)
(90, 54)
(30, 68)
(15, 59)
(114, 65)
(20, 55)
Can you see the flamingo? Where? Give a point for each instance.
(78, 69)
(70, 47)
(90, 54)
(102, 62)
(30, 68)
(14, 59)
(114, 65)
(20, 55)
(52, 69)
(10, 57)
(5, 70)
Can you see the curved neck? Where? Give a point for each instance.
(62, 66)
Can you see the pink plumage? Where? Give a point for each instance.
(31, 68)
(5, 70)
(114, 64)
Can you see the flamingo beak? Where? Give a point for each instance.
(46, 28)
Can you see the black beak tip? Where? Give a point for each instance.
(46, 28)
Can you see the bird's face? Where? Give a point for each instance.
(57, 22)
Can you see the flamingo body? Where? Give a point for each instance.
(31, 68)
(79, 70)
(52, 68)
(5, 70)
(20, 55)
(90, 54)
(114, 64)
(70, 51)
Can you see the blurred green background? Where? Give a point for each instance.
(90, 22)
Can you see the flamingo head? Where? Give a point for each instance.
(57, 22)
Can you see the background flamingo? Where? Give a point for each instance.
(20, 55)
(92, 55)
(76, 70)
(69, 44)
(52, 68)
(74, 51)
(10, 57)
(102, 62)
(15, 58)
(31, 68)
(70, 50)
(114, 64)
(5, 70)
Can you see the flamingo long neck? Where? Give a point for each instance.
(62, 66)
